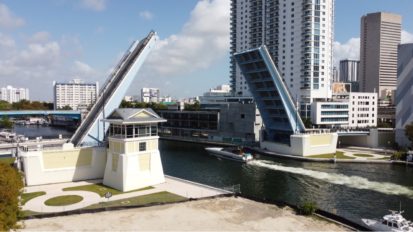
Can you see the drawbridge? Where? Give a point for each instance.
(278, 110)
(92, 129)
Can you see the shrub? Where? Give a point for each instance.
(307, 208)
(399, 155)
(10, 186)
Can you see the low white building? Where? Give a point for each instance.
(150, 95)
(346, 110)
(75, 94)
(11, 94)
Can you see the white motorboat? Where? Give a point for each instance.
(230, 153)
(391, 222)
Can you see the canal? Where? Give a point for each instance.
(353, 191)
(350, 190)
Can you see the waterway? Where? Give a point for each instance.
(350, 190)
(33, 131)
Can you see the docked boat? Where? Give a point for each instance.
(391, 222)
(236, 154)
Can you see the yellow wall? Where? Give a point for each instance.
(145, 162)
(117, 147)
(67, 158)
(317, 140)
(115, 161)
(133, 146)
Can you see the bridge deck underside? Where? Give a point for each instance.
(277, 109)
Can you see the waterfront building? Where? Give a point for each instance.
(298, 35)
(231, 122)
(11, 94)
(346, 110)
(150, 95)
(379, 37)
(404, 94)
(77, 94)
(128, 160)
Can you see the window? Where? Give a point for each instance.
(242, 115)
(142, 146)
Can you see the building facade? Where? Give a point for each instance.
(349, 70)
(346, 110)
(12, 95)
(150, 95)
(76, 94)
(234, 122)
(404, 94)
(379, 38)
(298, 35)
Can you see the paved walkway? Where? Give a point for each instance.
(173, 185)
(373, 154)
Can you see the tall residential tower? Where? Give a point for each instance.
(380, 36)
(298, 35)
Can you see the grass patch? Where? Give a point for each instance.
(27, 213)
(161, 197)
(63, 200)
(101, 189)
(25, 197)
(339, 155)
(7, 160)
(364, 155)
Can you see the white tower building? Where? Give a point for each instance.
(133, 158)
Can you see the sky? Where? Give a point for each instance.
(42, 41)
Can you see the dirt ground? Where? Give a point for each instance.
(229, 214)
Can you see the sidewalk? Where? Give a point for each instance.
(176, 186)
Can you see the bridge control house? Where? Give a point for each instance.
(128, 160)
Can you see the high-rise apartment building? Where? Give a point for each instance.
(76, 94)
(380, 36)
(298, 35)
(11, 94)
(150, 95)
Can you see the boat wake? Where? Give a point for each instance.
(340, 179)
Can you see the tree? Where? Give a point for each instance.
(66, 107)
(409, 132)
(4, 105)
(10, 188)
(6, 123)
(192, 107)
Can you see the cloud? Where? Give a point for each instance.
(202, 40)
(83, 70)
(407, 37)
(7, 19)
(37, 61)
(347, 50)
(147, 15)
(40, 37)
(96, 5)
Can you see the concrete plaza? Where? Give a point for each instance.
(173, 185)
